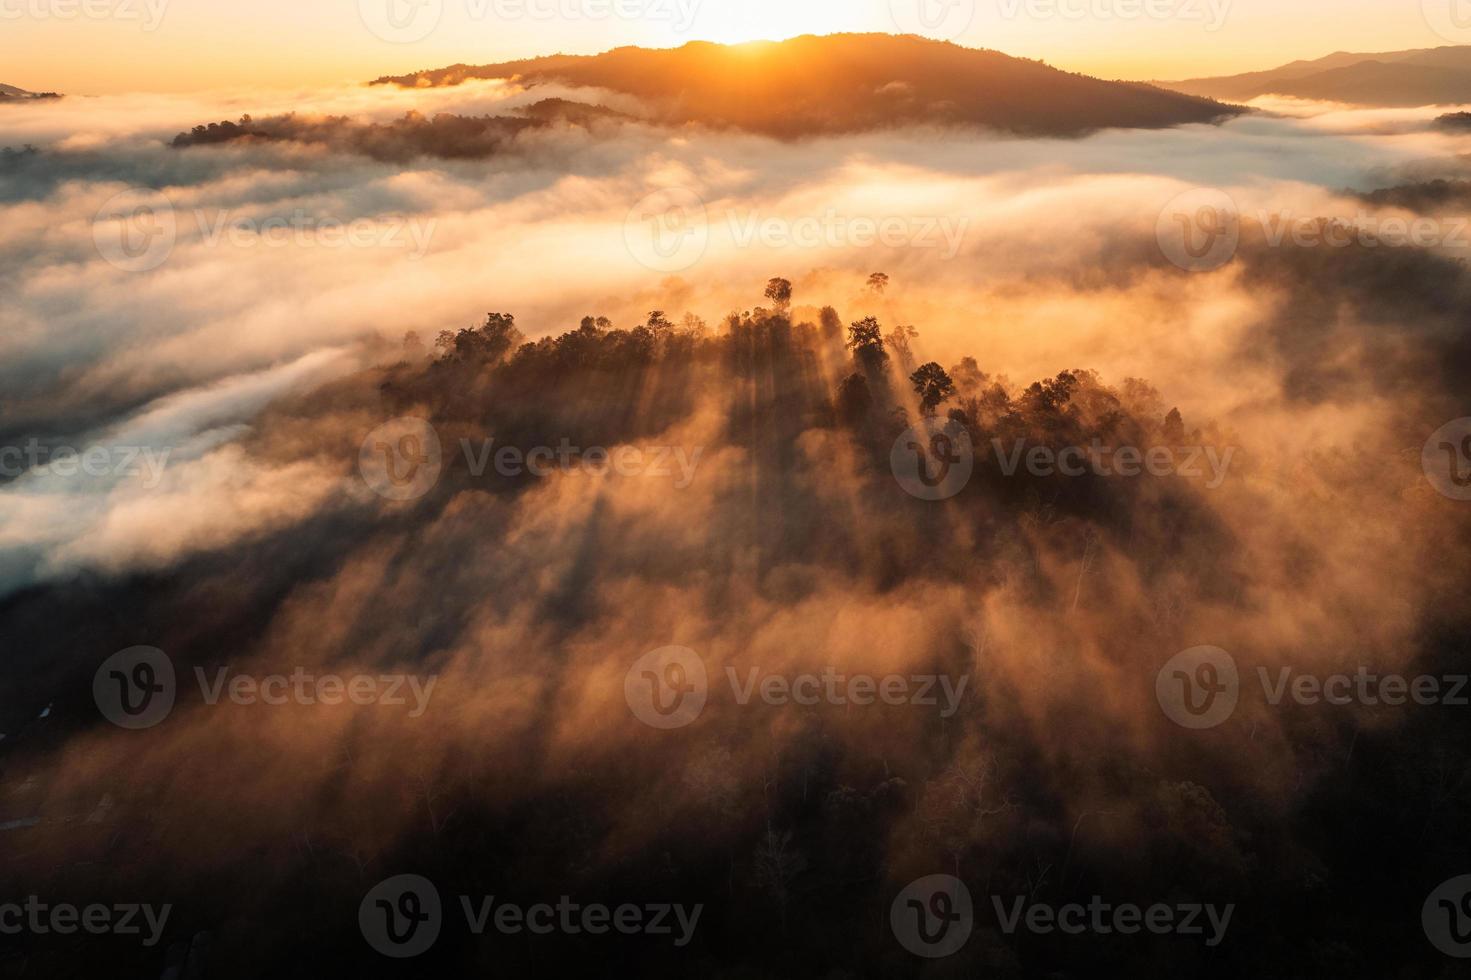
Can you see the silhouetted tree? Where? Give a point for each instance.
(779, 291)
(413, 346)
(854, 399)
(878, 282)
(1174, 428)
(932, 385)
(968, 375)
(486, 344)
(866, 336)
(899, 339)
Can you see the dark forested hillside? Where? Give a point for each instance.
(848, 83)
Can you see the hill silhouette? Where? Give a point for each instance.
(9, 93)
(846, 83)
(1430, 76)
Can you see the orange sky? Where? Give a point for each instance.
(100, 46)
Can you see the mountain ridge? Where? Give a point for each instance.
(10, 93)
(1389, 79)
(846, 83)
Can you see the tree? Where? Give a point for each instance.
(932, 385)
(899, 339)
(878, 282)
(865, 334)
(968, 375)
(866, 341)
(1174, 430)
(854, 399)
(779, 291)
(413, 346)
(488, 343)
(829, 323)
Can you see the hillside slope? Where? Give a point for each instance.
(850, 83)
(1431, 76)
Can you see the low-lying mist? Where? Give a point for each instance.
(691, 327)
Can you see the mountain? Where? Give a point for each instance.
(1428, 76)
(9, 93)
(844, 83)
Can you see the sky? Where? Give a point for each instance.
(84, 47)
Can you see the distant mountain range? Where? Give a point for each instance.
(1427, 76)
(9, 93)
(846, 83)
